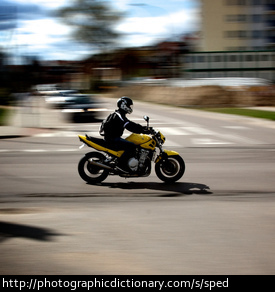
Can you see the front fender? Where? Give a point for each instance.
(165, 154)
(170, 152)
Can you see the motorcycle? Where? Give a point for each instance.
(95, 166)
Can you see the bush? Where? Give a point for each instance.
(3, 116)
(5, 97)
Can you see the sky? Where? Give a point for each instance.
(31, 30)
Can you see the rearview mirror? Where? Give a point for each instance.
(146, 118)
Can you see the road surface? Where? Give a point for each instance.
(218, 219)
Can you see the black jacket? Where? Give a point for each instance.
(115, 124)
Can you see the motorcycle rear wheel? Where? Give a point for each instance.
(170, 170)
(90, 173)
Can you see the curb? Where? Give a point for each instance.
(9, 132)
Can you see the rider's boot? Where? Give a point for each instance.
(110, 161)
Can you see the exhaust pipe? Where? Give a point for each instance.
(99, 164)
(108, 167)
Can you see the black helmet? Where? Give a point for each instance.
(126, 104)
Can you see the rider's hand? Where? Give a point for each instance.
(147, 130)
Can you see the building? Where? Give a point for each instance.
(237, 25)
(251, 64)
(237, 40)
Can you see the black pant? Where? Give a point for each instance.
(128, 147)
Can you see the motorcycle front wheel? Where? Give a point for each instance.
(90, 173)
(170, 170)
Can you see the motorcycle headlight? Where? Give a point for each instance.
(160, 138)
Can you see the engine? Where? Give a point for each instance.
(135, 164)
(142, 157)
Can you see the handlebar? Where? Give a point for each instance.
(149, 130)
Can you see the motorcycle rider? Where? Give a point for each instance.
(113, 128)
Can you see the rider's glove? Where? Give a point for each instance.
(147, 130)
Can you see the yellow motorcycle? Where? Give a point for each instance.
(95, 166)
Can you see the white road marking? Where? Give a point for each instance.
(172, 131)
(34, 150)
(202, 136)
(199, 130)
(236, 127)
(67, 150)
(209, 141)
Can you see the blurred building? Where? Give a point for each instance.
(237, 40)
(237, 25)
(215, 64)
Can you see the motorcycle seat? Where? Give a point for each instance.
(103, 143)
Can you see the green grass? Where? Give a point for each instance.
(3, 116)
(262, 114)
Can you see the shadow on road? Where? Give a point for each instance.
(8, 230)
(175, 189)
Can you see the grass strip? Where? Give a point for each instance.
(4, 115)
(262, 114)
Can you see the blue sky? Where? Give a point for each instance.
(35, 32)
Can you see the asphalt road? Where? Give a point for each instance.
(218, 219)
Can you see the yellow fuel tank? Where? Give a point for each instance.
(143, 140)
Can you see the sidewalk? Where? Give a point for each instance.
(7, 132)
(25, 122)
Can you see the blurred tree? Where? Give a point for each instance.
(93, 22)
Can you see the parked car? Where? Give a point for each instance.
(74, 106)
(81, 107)
(57, 98)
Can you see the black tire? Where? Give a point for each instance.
(90, 173)
(170, 170)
